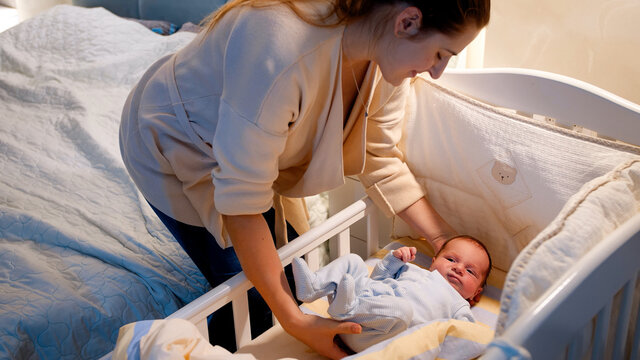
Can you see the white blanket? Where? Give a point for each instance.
(81, 253)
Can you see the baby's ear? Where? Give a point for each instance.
(476, 297)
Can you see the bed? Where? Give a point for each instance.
(83, 255)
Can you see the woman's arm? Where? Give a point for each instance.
(260, 262)
(424, 219)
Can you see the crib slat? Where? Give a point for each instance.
(574, 347)
(203, 327)
(344, 242)
(600, 336)
(373, 242)
(623, 318)
(313, 259)
(635, 352)
(241, 320)
(340, 244)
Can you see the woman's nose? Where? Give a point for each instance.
(436, 70)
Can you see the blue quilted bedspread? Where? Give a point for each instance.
(81, 252)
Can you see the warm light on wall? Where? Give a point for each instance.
(30, 8)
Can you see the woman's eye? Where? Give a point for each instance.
(439, 56)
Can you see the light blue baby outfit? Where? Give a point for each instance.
(395, 297)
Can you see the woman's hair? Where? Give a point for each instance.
(446, 16)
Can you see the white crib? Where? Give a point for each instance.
(551, 326)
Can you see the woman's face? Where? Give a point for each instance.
(402, 58)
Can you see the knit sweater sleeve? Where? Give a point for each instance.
(387, 179)
(261, 99)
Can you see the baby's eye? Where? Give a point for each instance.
(439, 56)
(471, 272)
(449, 259)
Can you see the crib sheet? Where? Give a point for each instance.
(81, 253)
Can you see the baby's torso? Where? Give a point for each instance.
(430, 295)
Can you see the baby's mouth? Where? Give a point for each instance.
(454, 280)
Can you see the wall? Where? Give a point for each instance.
(30, 8)
(597, 41)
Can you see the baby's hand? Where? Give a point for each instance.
(405, 253)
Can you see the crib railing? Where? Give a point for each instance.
(560, 324)
(335, 229)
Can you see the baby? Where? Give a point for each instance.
(397, 295)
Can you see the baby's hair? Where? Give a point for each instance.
(477, 242)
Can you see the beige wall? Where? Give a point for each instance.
(597, 41)
(30, 8)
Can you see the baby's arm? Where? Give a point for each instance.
(389, 266)
(464, 313)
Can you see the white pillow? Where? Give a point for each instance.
(446, 339)
(600, 207)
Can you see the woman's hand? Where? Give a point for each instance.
(405, 253)
(319, 333)
(260, 262)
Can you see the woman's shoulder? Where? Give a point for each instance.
(278, 34)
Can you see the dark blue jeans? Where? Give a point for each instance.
(218, 265)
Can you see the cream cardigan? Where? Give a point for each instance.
(252, 112)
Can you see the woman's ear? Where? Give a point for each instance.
(408, 22)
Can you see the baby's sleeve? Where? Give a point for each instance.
(388, 267)
(464, 313)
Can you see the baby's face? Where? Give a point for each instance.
(463, 264)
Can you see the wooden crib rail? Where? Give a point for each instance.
(234, 290)
(551, 329)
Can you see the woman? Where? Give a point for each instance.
(277, 100)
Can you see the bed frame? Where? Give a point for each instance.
(545, 332)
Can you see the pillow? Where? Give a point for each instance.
(167, 339)
(600, 207)
(176, 12)
(447, 339)
(167, 28)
